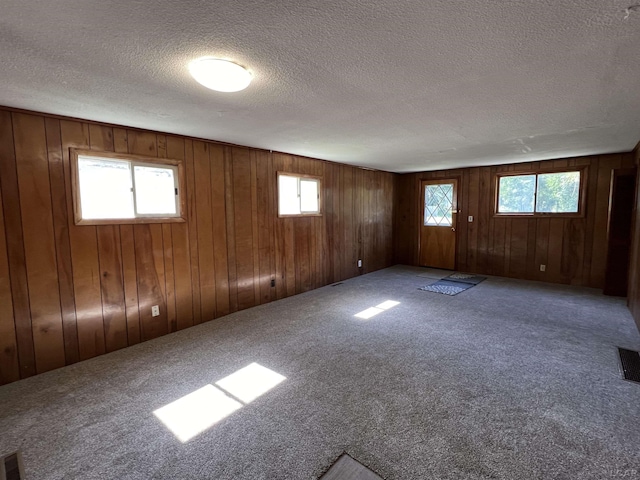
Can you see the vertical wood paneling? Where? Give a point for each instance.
(264, 227)
(606, 165)
(150, 271)
(243, 210)
(474, 210)
(590, 214)
(9, 365)
(167, 243)
(483, 219)
(101, 282)
(542, 248)
(193, 232)
(59, 187)
(181, 252)
(230, 228)
(39, 240)
(531, 266)
(169, 278)
(128, 253)
(255, 235)
(113, 303)
(149, 252)
(218, 209)
(130, 282)
(497, 252)
(571, 248)
(15, 247)
(518, 248)
(84, 257)
(110, 261)
(206, 264)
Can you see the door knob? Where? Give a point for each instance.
(453, 229)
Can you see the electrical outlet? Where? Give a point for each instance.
(273, 282)
(543, 268)
(359, 263)
(155, 311)
(470, 218)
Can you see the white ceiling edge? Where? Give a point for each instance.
(395, 86)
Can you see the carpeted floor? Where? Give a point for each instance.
(508, 380)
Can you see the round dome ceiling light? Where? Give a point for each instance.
(220, 75)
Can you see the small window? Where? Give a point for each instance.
(298, 195)
(540, 193)
(116, 188)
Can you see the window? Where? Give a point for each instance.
(438, 205)
(117, 188)
(298, 195)
(540, 193)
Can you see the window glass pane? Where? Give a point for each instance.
(309, 196)
(558, 192)
(288, 201)
(517, 194)
(155, 190)
(105, 188)
(438, 205)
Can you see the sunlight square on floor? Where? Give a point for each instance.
(373, 311)
(196, 412)
(250, 382)
(200, 410)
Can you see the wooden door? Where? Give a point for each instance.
(621, 202)
(438, 225)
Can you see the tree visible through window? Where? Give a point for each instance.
(545, 193)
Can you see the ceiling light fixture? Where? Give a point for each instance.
(220, 75)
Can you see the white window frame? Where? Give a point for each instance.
(133, 161)
(300, 177)
(582, 170)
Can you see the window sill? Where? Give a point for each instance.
(538, 215)
(296, 215)
(131, 221)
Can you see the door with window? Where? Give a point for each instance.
(438, 225)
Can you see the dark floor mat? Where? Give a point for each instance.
(454, 284)
(465, 278)
(346, 468)
(630, 361)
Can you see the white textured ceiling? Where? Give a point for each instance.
(395, 85)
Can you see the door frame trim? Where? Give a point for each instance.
(420, 183)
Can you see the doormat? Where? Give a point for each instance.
(454, 284)
(346, 468)
(465, 278)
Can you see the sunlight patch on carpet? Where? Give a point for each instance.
(200, 410)
(250, 382)
(196, 412)
(373, 311)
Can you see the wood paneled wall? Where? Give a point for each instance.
(573, 249)
(633, 298)
(69, 293)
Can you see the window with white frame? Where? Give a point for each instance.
(298, 195)
(119, 188)
(542, 193)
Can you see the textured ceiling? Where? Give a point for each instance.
(395, 85)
